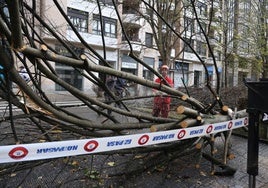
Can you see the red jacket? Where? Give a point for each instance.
(163, 99)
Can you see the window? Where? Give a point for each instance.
(63, 51)
(181, 67)
(129, 62)
(149, 40)
(149, 12)
(204, 27)
(201, 48)
(79, 19)
(129, 65)
(197, 77)
(96, 25)
(107, 2)
(209, 77)
(132, 34)
(181, 74)
(189, 24)
(146, 73)
(130, 6)
(109, 26)
(68, 73)
(201, 8)
(186, 46)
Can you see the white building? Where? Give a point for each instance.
(85, 16)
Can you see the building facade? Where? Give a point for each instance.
(99, 26)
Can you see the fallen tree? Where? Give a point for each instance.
(17, 42)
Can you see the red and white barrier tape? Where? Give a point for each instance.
(48, 150)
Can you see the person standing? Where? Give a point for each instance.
(161, 105)
(120, 86)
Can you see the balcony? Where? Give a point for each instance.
(132, 20)
(92, 39)
(136, 46)
(133, 37)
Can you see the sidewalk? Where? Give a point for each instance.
(61, 97)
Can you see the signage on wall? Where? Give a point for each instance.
(129, 65)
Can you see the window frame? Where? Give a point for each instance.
(110, 26)
(107, 2)
(79, 19)
(186, 46)
(201, 48)
(189, 24)
(74, 77)
(149, 40)
(202, 8)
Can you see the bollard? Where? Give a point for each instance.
(257, 104)
(253, 147)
